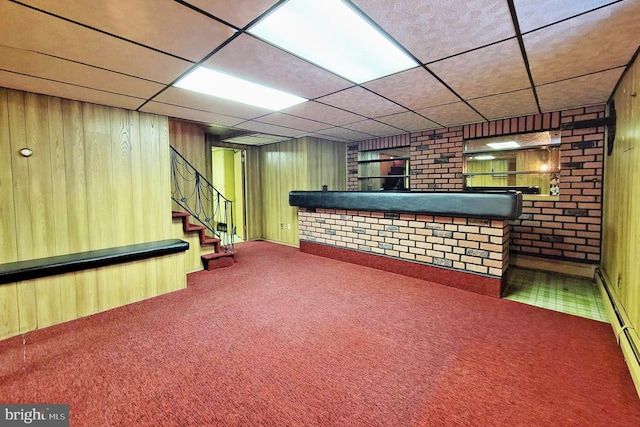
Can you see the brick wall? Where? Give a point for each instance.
(567, 228)
(465, 244)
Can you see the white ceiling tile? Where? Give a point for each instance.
(362, 101)
(344, 134)
(577, 92)
(162, 24)
(254, 60)
(190, 99)
(596, 41)
(239, 14)
(413, 89)
(432, 30)
(534, 14)
(269, 129)
(322, 113)
(51, 68)
(326, 137)
(56, 37)
(190, 114)
(519, 103)
(491, 70)
(451, 114)
(374, 127)
(294, 122)
(256, 139)
(63, 90)
(408, 121)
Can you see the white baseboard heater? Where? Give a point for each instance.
(627, 336)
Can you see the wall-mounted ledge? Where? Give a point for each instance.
(505, 206)
(43, 267)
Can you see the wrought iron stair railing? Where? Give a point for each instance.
(197, 196)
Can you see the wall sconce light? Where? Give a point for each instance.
(544, 167)
(26, 152)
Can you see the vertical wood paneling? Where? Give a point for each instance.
(40, 189)
(27, 305)
(76, 172)
(20, 174)
(299, 164)
(48, 301)
(621, 223)
(87, 292)
(8, 243)
(135, 141)
(58, 175)
(100, 193)
(98, 178)
(150, 155)
(9, 316)
(122, 176)
(163, 191)
(136, 281)
(253, 170)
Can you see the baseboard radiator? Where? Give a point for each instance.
(626, 335)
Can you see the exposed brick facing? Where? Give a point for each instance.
(569, 228)
(441, 241)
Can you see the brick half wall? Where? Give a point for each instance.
(477, 247)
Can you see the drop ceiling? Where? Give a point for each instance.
(479, 60)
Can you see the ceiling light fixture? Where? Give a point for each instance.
(334, 36)
(503, 145)
(484, 158)
(221, 85)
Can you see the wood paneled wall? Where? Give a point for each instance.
(298, 164)
(621, 210)
(253, 195)
(99, 177)
(188, 139)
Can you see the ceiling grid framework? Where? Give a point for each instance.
(478, 60)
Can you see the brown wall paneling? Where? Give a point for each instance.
(621, 225)
(8, 243)
(20, 174)
(254, 188)
(189, 140)
(323, 156)
(74, 167)
(9, 316)
(297, 164)
(270, 191)
(98, 178)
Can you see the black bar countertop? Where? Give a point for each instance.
(503, 206)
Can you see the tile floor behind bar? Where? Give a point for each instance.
(578, 296)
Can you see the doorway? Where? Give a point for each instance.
(228, 177)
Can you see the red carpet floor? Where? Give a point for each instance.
(285, 338)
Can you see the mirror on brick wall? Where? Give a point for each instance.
(386, 169)
(526, 162)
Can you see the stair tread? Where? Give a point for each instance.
(215, 255)
(207, 240)
(193, 227)
(175, 214)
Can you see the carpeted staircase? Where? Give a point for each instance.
(222, 257)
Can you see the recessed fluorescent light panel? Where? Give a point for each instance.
(332, 35)
(215, 83)
(503, 145)
(484, 158)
